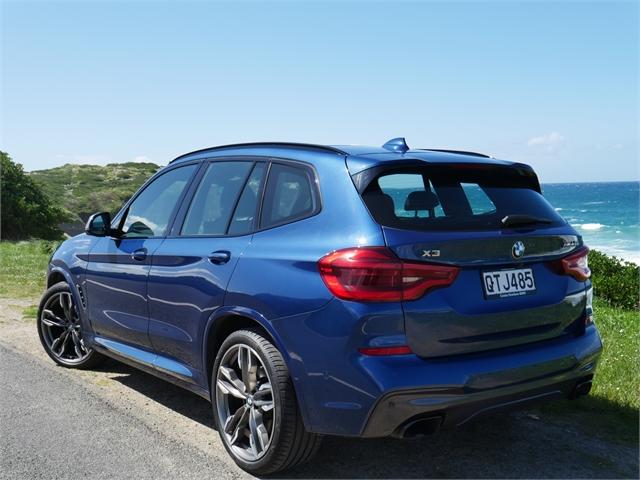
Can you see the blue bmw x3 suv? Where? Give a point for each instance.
(311, 290)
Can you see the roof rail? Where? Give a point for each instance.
(460, 152)
(310, 146)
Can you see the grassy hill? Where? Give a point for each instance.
(86, 189)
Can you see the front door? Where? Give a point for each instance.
(117, 270)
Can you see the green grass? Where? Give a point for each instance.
(23, 268)
(611, 409)
(30, 312)
(618, 370)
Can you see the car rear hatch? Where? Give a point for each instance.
(490, 224)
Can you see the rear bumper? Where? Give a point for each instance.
(356, 395)
(553, 371)
(397, 412)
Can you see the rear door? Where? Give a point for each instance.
(191, 269)
(508, 290)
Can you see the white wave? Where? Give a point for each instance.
(629, 256)
(591, 226)
(559, 209)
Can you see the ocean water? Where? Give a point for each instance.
(607, 215)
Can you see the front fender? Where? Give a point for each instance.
(74, 286)
(66, 261)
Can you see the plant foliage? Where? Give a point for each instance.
(86, 189)
(26, 210)
(615, 281)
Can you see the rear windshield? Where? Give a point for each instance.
(441, 198)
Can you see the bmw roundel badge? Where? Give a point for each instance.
(517, 251)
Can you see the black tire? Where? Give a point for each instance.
(290, 444)
(85, 358)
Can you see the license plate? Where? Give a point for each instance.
(508, 283)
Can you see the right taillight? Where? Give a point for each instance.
(376, 274)
(577, 264)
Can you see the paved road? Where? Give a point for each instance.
(119, 423)
(54, 428)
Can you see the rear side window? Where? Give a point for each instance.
(453, 198)
(216, 198)
(244, 215)
(289, 195)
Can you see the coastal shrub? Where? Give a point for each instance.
(615, 281)
(26, 210)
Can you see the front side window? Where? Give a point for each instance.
(150, 212)
(289, 195)
(216, 198)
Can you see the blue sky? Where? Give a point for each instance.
(550, 84)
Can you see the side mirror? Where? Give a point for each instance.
(99, 224)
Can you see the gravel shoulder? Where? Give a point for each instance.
(118, 422)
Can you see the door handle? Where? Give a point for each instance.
(220, 257)
(139, 255)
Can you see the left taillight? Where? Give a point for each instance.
(376, 274)
(577, 264)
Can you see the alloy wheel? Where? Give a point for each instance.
(60, 326)
(245, 402)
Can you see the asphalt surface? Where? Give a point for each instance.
(54, 428)
(119, 423)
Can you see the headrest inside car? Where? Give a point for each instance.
(421, 200)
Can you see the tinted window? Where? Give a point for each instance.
(150, 212)
(215, 198)
(288, 196)
(478, 200)
(406, 191)
(428, 198)
(243, 217)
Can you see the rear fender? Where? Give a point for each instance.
(226, 311)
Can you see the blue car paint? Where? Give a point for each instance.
(276, 284)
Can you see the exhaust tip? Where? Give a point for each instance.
(419, 427)
(581, 389)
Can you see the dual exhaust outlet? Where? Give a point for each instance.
(421, 426)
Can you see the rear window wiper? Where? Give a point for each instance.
(520, 220)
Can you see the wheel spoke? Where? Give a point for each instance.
(233, 420)
(263, 398)
(60, 342)
(237, 423)
(248, 368)
(77, 346)
(66, 304)
(259, 437)
(233, 385)
(50, 319)
(244, 362)
(57, 341)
